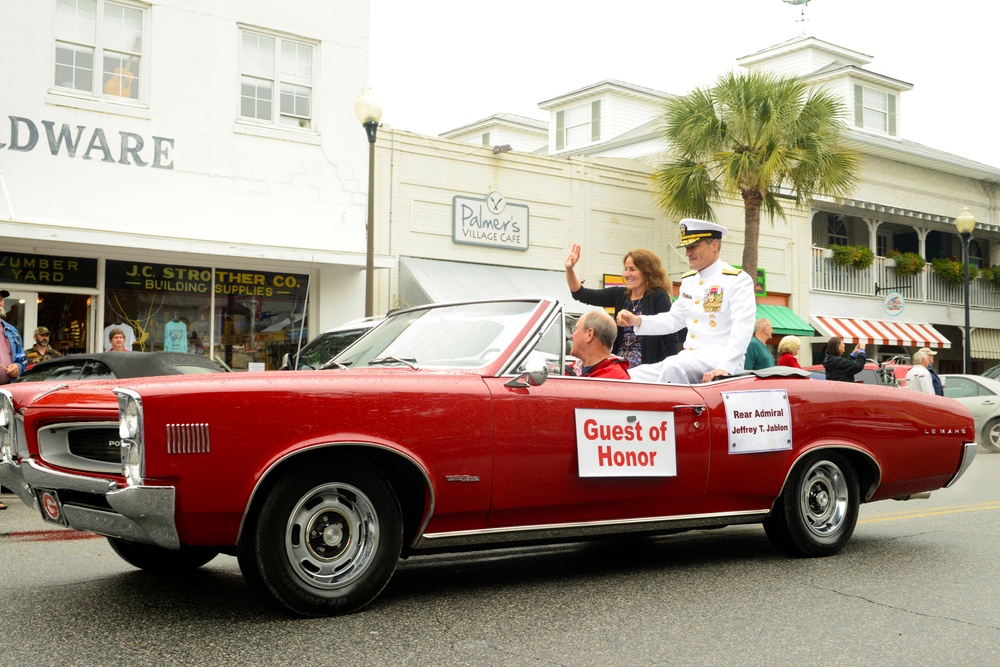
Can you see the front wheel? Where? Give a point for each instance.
(991, 436)
(327, 538)
(159, 560)
(818, 508)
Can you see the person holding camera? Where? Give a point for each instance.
(841, 368)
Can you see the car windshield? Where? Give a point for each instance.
(459, 336)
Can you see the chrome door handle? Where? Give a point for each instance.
(697, 409)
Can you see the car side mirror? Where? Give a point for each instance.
(534, 374)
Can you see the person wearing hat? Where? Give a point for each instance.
(41, 351)
(717, 306)
(922, 377)
(12, 357)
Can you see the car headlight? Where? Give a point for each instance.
(130, 429)
(7, 427)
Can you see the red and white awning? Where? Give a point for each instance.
(880, 332)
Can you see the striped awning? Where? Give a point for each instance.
(880, 332)
(985, 343)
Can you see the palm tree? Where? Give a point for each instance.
(749, 135)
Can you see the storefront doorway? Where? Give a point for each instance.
(68, 317)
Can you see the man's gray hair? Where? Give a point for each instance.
(603, 325)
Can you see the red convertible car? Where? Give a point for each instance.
(451, 427)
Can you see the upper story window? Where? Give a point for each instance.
(874, 110)
(271, 65)
(99, 47)
(836, 230)
(578, 126)
(486, 138)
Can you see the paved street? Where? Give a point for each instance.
(917, 585)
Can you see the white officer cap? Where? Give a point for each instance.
(693, 230)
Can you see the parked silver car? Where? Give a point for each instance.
(327, 345)
(982, 396)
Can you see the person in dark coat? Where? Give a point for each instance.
(839, 367)
(645, 291)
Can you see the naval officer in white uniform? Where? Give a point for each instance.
(717, 306)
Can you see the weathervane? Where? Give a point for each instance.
(803, 18)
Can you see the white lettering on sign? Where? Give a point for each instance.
(758, 421)
(625, 443)
(473, 222)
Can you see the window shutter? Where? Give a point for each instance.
(859, 106)
(560, 130)
(595, 120)
(892, 115)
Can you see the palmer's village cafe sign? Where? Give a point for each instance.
(490, 221)
(88, 143)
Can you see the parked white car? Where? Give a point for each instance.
(327, 345)
(982, 396)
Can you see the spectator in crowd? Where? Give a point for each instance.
(41, 351)
(788, 351)
(644, 292)
(921, 377)
(593, 337)
(117, 338)
(12, 358)
(717, 306)
(841, 368)
(758, 356)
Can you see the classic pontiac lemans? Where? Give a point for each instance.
(456, 426)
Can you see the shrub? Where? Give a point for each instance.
(952, 271)
(860, 257)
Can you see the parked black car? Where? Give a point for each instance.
(111, 365)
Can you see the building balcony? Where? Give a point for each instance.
(928, 287)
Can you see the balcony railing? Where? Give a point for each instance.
(927, 287)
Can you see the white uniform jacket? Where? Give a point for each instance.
(718, 307)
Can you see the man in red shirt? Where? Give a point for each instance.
(593, 337)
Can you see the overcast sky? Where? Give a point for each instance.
(440, 64)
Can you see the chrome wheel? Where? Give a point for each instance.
(823, 499)
(332, 535)
(991, 436)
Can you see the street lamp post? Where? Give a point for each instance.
(965, 223)
(369, 111)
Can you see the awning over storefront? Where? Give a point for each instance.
(423, 281)
(985, 343)
(784, 321)
(880, 332)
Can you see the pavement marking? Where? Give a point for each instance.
(940, 511)
(48, 535)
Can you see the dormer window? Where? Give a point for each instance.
(578, 126)
(875, 110)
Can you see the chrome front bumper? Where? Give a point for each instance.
(138, 513)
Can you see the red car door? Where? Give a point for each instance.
(578, 449)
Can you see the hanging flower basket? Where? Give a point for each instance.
(858, 256)
(952, 271)
(906, 263)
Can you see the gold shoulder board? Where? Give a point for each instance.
(689, 273)
(732, 272)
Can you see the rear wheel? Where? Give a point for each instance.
(327, 538)
(991, 435)
(818, 508)
(159, 560)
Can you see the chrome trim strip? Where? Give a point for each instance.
(968, 454)
(547, 532)
(188, 439)
(37, 476)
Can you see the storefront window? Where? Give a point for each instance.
(260, 315)
(158, 306)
